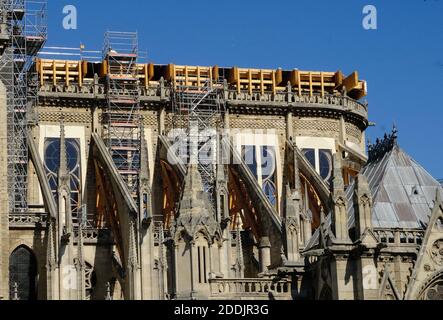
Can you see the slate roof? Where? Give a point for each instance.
(403, 193)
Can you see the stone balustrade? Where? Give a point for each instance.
(399, 236)
(27, 219)
(162, 91)
(342, 102)
(250, 288)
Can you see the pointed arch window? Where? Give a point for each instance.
(52, 164)
(321, 161)
(23, 274)
(262, 162)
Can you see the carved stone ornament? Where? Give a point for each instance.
(437, 252)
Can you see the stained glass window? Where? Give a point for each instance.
(324, 166)
(310, 155)
(325, 159)
(52, 164)
(23, 274)
(250, 158)
(263, 166)
(268, 172)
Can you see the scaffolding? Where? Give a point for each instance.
(23, 33)
(197, 113)
(121, 119)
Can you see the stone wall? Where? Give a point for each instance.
(4, 206)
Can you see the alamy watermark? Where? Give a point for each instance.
(370, 17)
(70, 18)
(211, 146)
(369, 277)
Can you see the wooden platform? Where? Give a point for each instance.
(239, 79)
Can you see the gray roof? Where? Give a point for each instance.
(403, 193)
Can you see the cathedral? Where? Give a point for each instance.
(122, 179)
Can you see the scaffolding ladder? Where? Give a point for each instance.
(23, 33)
(121, 119)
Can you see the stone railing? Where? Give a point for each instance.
(94, 235)
(399, 236)
(342, 102)
(27, 219)
(254, 288)
(162, 91)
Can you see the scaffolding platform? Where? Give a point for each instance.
(23, 36)
(121, 120)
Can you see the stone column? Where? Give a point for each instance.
(264, 247)
(289, 128)
(225, 253)
(362, 205)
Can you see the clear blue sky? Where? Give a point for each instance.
(402, 60)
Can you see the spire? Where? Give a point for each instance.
(394, 133)
(338, 185)
(145, 189)
(362, 205)
(338, 197)
(195, 209)
(63, 171)
(144, 176)
(64, 185)
(193, 195)
(297, 184)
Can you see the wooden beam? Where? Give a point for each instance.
(262, 85)
(311, 91)
(54, 73)
(351, 82)
(146, 76)
(80, 75)
(274, 85)
(322, 84)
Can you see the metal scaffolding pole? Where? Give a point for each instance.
(197, 110)
(23, 33)
(122, 121)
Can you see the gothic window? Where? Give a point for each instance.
(325, 163)
(249, 156)
(52, 164)
(268, 163)
(310, 156)
(23, 274)
(262, 162)
(321, 161)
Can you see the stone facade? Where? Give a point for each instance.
(310, 228)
